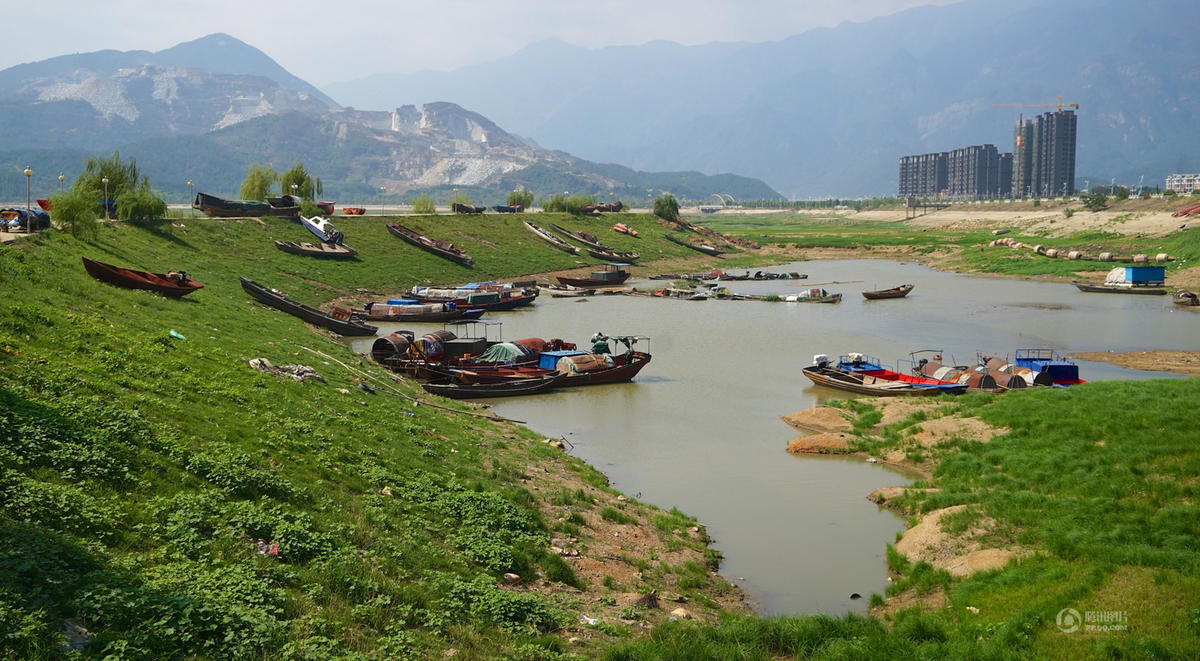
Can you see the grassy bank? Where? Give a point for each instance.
(162, 499)
(1099, 505)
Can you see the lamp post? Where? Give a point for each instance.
(61, 179)
(566, 200)
(191, 198)
(294, 187)
(382, 190)
(104, 180)
(28, 177)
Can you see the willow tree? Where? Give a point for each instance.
(257, 183)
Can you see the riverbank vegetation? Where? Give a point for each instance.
(160, 498)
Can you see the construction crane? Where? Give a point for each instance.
(1060, 105)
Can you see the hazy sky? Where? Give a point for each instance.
(326, 41)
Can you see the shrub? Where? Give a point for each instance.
(424, 205)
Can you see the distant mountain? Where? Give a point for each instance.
(205, 110)
(97, 100)
(830, 111)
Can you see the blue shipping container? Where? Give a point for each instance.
(548, 360)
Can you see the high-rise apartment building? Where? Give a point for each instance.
(1054, 153)
(923, 175)
(1024, 146)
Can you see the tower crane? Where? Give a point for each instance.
(1060, 105)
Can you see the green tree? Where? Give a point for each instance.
(424, 205)
(298, 176)
(666, 207)
(578, 202)
(257, 183)
(1095, 200)
(522, 197)
(460, 198)
(1122, 193)
(76, 211)
(122, 176)
(556, 202)
(140, 204)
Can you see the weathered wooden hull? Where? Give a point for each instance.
(894, 292)
(431, 245)
(865, 384)
(459, 390)
(162, 283)
(552, 239)
(313, 316)
(1109, 289)
(332, 251)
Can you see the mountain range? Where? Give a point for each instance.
(205, 110)
(830, 111)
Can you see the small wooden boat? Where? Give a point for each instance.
(508, 208)
(418, 312)
(704, 248)
(216, 207)
(625, 229)
(579, 368)
(611, 276)
(894, 292)
(330, 250)
(354, 211)
(1186, 298)
(586, 238)
(492, 300)
(814, 295)
(443, 249)
(761, 275)
(866, 384)
(565, 291)
(326, 208)
(45, 205)
(322, 229)
(514, 388)
(1118, 289)
(340, 321)
(1062, 370)
(552, 239)
(614, 255)
(172, 283)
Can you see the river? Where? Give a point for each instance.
(700, 428)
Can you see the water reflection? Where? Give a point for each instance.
(700, 429)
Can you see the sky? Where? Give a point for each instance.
(326, 42)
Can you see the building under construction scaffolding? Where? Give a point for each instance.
(1044, 155)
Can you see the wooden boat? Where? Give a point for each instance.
(492, 300)
(354, 211)
(625, 229)
(614, 255)
(1117, 289)
(508, 208)
(586, 238)
(565, 291)
(704, 248)
(552, 239)
(322, 229)
(530, 386)
(45, 205)
(1186, 298)
(443, 249)
(611, 276)
(330, 250)
(866, 384)
(616, 368)
(326, 208)
(467, 208)
(894, 292)
(418, 312)
(341, 321)
(814, 295)
(216, 207)
(173, 283)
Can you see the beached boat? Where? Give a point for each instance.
(615, 255)
(586, 238)
(326, 208)
(580, 368)
(565, 291)
(484, 297)
(759, 275)
(411, 310)
(894, 292)
(24, 220)
(45, 205)
(1062, 370)
(216, 207)
(611, 276)
(322, 229)
(625, 229)
(1139, 279)
(860, 373)
(1186, 298)
(340, 320)
(443, 249)
(172, 283)
(1031, 377)
(704, 247)
(552, 239)
(814, 295)
(516, 388)
(354, 211)
(330, 250)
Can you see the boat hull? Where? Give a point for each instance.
(459, 390)
(313, 316)
(431, 245)
(1109, 289)
(162, 283)
(866, 384)
(894, 292)
(331, 251)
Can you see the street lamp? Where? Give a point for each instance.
(28, 177)
(104, 180)
(382, 190)
(191, 198)
(61, 179)
(294, 187)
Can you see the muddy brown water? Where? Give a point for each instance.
(700, 429)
